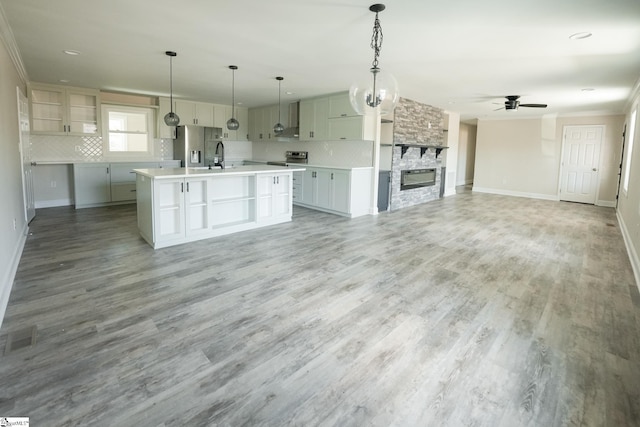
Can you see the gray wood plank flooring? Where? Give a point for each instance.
(475, 310)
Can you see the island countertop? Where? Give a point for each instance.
(171, 173)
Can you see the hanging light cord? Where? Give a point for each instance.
(171, 82)
(376, 41)
(279, 107)
(233, 93)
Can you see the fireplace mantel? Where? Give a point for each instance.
(423, 148)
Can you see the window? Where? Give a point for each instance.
(128, 130)
(627, 162)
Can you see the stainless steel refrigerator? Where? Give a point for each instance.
(195, 146)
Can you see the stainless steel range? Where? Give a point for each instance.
(292, 157)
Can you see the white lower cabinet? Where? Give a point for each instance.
(174, 210)
(182, 206)
(92, 184)
(274, 196)
(297, 186)
(102, 184)
(344, 192)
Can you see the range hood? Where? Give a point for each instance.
(293, 131)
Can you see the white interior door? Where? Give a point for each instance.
(25, 152)
(580, 163)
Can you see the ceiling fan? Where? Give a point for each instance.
(512, 103)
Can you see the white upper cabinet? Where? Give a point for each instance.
(204, 114)
(194, 113)
(261, 123)
(332, 118)
(222, 113)
(60, 110)
(340, 106)
(313, 119)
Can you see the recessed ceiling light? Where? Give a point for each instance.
(63, 81)
(588, 89)
(289, 93)
(580, 36)
(71, 52)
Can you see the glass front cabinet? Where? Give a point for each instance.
(60, 110)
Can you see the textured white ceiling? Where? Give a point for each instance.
(460, 55)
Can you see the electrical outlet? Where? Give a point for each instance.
(54, 184)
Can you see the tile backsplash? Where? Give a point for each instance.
(62, 148)
(329, 153)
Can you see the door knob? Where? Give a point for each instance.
(594, 169)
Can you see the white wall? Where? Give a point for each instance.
(12, 209)
(629, 202)
(466, 154)
(451, 140)
(522, 157)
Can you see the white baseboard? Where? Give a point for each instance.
(450, 192)
(515, 193)
(9, 277)
(606, 203)
(53, 203)
(631, 251)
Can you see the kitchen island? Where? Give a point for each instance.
(180, 205)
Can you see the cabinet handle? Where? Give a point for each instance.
(278, 179)
(107, 171)
(133, 191)
(187, 187)
(274, 179)
(182, 187)
(343, 137)
(331, 175)
(343, 115)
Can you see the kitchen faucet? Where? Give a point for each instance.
(219, 161)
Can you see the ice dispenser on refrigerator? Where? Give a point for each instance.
(193, 145)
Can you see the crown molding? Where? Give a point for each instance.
(6, 35)
(634, 96)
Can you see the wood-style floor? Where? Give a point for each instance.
(474, 310)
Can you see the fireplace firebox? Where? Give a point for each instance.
(416, 178)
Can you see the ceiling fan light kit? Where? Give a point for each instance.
(512, 103)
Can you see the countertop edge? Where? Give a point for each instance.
(171, 173)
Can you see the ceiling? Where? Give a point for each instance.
(462, 55)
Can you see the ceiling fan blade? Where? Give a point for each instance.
(534, 105)
(498, 109)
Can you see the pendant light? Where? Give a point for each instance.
(380, 90)
(232, 123)
(278, 128)
(171, 118)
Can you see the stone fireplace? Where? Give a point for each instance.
(418, 153)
